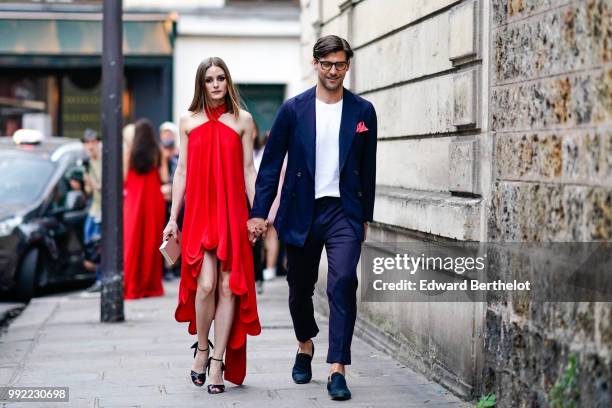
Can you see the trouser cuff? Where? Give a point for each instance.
(340, 357)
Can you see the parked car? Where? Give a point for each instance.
(41, 214)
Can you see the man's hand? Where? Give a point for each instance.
(257, 228)
(365, 231)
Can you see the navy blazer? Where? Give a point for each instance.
(294, 132)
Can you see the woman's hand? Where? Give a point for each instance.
(171, 230)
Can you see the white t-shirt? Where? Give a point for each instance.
(327, 174)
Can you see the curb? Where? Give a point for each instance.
(10, 312)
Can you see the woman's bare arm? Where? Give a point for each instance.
(250, 175)
(178, 183)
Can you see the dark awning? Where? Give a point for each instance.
(82, 37)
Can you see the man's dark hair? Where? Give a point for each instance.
(329, 44)
(90, 135)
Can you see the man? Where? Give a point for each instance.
(168, 135)
(93, 187)
(327, 200)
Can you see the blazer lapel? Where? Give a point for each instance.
(307, 126)
(348, 126)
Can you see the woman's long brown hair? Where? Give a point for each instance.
(201, 100)
(145, 153)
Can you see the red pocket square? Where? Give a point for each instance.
(361, 127)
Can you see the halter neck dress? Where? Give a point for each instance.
(215, 218)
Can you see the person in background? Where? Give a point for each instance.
(11, 126)
(93, 188)
(75, 197)
(168, 135)
(76, 179)
(270, 243)
(128, 139)
(143, 214)
(258, 247)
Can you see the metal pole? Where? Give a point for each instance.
(111, 307)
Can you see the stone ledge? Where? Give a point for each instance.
(436, 213)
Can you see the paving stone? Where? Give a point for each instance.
(145, 361)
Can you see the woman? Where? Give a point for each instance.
(143, 213)
(215, 175)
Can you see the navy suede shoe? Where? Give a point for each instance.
(302, 370)
(337, 388)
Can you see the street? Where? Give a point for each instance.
(145, 361)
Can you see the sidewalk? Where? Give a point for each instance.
(145, 361)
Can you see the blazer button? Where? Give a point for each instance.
(299, 174)
(356, 172)
(359, 194)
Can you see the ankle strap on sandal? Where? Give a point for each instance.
(197, 346)
(216, 359)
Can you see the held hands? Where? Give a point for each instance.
(258, 227)
(171, 230)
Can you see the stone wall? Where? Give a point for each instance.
(495, 124)
(551, 122)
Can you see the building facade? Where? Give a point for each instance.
(55, 84)
(258, 40)
(494, 125)
(50, 66)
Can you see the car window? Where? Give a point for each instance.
(23, 179)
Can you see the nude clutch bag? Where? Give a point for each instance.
(171, 249)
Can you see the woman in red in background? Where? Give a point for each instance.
(143, 213)
(215, 175)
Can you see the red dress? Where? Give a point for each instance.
(144, 212)
(215, 218)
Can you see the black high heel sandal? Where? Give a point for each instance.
(216, 388)
(198, 379)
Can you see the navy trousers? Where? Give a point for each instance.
(331, 229)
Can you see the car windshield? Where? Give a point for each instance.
(23, 179)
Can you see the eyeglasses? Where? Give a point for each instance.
(340, 65)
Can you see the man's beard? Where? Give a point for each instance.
(329, 86)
